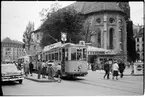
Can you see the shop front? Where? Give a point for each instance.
(98, 56)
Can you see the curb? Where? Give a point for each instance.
(39, 80)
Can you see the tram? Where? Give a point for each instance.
(72, 57)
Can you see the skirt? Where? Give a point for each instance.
(115, 73)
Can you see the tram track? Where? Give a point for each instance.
(101, 84)
(106, 85)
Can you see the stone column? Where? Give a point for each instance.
(105, 31)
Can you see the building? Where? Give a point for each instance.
(11, 50)
(139, 40)
(35, 43)
(107, 26)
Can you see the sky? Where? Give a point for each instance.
(15, 15)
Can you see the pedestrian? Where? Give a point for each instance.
(39, 68)
(59, 73)
(121, 68)
(115, 68)
(19, 66)
(43, 69)
(50, 72)
(132, 67)
(26, 68)
(31, 68)
(107, 69)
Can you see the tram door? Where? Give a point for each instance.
(63, 60)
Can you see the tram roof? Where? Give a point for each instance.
(47, 48)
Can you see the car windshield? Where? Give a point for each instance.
(7, 68)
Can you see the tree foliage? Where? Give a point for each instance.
(131, 52)
(63, 20)
(125, 7)
(27, 34)
(46, 12)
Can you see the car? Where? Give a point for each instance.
(10, 72)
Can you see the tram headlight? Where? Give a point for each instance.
(80, 67)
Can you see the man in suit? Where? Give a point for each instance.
(121, 68)
(107, 69)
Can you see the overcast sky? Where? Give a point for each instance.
(16, 15)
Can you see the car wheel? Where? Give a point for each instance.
(20, 81)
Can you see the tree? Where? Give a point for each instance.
(65, 20)
(86, 30)
(27, 35)
(126, 8)
(131, 52)
(46, 12)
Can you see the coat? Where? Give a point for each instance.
(121, 66)
(50, 71)
(106, 67)
(31, 66)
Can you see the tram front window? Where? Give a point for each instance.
(84, 54)
(73, 53)
(79, 54)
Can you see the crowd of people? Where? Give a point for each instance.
(116, 68)
(44, 68)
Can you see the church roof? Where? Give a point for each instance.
(90, 7)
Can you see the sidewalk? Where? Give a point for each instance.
(34, 78)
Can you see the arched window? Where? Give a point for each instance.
(111, 32)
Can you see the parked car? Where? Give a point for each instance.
(10, 72)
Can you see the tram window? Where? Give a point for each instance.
(52, 56)
(66, 54)
(84, 53)
(79, 54)
(73, 53)
(56, 56)
(63, 54)
(48, 57)
(59, 55)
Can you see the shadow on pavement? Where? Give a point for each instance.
(10, 83)
(73, 79)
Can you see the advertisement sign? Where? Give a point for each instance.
(138, 68)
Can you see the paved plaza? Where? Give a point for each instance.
(91, 85)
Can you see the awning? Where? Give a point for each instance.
(92, 48)
(95, 51)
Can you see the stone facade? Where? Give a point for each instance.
(107, 25)
(35, 43)
(11, 50)
(139, 40)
